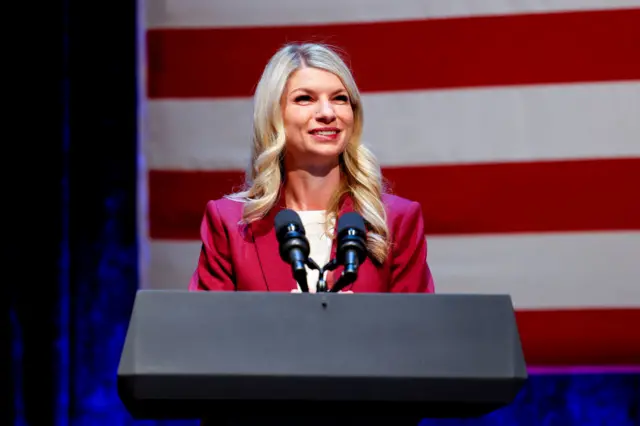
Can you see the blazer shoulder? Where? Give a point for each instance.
(229, 211)
(399, 206)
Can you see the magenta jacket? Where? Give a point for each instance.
(238, 257)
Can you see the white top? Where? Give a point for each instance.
(319, 242)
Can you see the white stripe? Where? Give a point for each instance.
(539, 271)
(423, 127)
(566, 270)
(232, 13)
(171, 264)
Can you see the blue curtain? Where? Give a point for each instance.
(73, 234)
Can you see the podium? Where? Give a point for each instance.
(220, 355)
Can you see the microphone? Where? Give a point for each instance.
(351, 248)
(294, 246)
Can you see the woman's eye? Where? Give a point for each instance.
(342, 98)
(303, 98)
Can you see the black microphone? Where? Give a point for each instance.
(351, 248)
(294, 246)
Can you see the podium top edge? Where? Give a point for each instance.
(368, 294)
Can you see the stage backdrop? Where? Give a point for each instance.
(516, 125)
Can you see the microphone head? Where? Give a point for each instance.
(353, 221)
(291, 236)
(287, 220)
(352, 235)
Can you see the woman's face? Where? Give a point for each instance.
(317, 115)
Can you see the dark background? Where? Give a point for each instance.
(72, 238)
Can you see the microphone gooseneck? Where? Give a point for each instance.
(351, 248)
(293, 245)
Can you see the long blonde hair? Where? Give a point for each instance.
(361, 174)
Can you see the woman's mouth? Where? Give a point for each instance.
(325, 133)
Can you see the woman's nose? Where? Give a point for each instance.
(325, 112)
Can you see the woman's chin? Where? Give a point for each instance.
(328, 149)
(326, 155)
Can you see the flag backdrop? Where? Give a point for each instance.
(515, 123)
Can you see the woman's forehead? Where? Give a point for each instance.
(314, 79)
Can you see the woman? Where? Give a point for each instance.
(307, 156)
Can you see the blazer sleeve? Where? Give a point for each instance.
(410, 272)
(214, 271)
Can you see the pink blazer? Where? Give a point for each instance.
(237, 257)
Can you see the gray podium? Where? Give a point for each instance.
(225, 355)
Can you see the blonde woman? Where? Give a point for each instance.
(307, 156)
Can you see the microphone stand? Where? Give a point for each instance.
(311, 264)
(344, 280)
(321, 287)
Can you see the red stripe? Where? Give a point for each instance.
(580, 337)
(423, 54)
(456, 199)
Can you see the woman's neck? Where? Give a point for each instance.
(306, 189)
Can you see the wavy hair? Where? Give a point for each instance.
(361, 177)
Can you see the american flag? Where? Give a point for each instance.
(515, 123)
